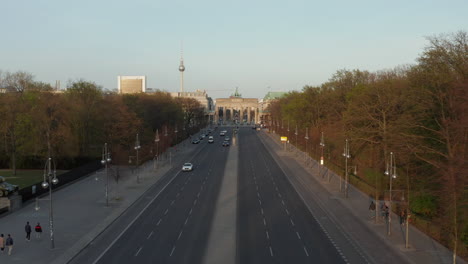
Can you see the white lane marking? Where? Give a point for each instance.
(172, 251)
(260, 201)
(292, 223)
(287, 212)
(282, 201)
(267, 235)
(172, 202)
(258, 194)
(177, 195)
(182, 188)
(271, 251)
(190, 211)
(167, 210)
(198, 194)
(256, 187)
(276, 187)
(134, 220)
(180, 234)
(264, 222)
(298, 236)
(159, 221)
(305, 250)
(186, 220)
(261, 209)
(279, 195)
(150, 234)
(195, 202)
(138, 252)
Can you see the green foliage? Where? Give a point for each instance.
(424, 204)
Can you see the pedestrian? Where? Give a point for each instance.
(38, 230)
(9, 244)
(372, 209)
(27, 229)
(2, 243)
(402, 217)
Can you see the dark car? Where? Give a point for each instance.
(7, 188)
(225, 143)
(195, 141)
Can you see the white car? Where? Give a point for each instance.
(210, 139)
(187, 167)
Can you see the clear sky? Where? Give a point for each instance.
(256, 45)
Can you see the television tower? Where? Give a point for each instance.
(181, 69)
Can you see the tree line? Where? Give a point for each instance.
(417, 112)
(71, 126)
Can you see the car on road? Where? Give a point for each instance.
(7, 188)
(195, 141)
(227, 138)
(210, 139)
(225, 143)
(222, 133)
(187, 167)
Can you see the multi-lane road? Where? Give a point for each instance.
(173, 223)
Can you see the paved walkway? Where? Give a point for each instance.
(79, 211)
(422, 248)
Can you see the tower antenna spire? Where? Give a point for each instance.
(181, 69)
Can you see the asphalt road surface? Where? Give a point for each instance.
(274, 224)
(172, 225)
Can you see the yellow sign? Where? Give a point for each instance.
(284, 139)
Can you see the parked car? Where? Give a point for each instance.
(7, 188)
(187, 167)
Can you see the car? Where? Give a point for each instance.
(222, 133)
(195, 141)
(187, 166)
(227, 138)
(210, 139)
(7, 188)
(225, 143)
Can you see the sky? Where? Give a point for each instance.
(257, 45)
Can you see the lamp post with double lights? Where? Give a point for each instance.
(137, 148)
(106, 159)
(296, 133)
(307, 143)
(50, 177)
(322, 145)
(346, 155)
(391, 172)
(156, 139)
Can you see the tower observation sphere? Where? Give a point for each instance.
(181, 67)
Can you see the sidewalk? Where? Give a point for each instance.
(423, 249)
(79, 211)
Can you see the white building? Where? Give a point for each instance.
(131, 84)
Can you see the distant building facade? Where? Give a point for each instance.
(200, 96)
(131, 84)
(265, 103)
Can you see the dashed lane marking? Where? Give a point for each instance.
(264, 222)
(186, 220)
(180, 234)
(138, 252)
(261, 210)
(305, 250)
(282, 201)
(190, 211)
(287, 212)
(172, 202)
(292, 222)
(298, 236)
(267, 235)
(172, 251)
(165, 213)
(159, 221)
(150, 234)
(271, 251)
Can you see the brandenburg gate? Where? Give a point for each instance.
(237, 109)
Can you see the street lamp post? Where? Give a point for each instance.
(156, 139)
(296, 133)
(307, 142)
(391, 172)
(106, 159)
(50, 177)
(288, 136)
(175, 131)
(347, 156)
(137, 148)
(322, 145)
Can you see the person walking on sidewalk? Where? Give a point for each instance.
(9, 244)
(402, 217)
(38, 230)
(27, 229)
(372, 209)
(2, 243)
